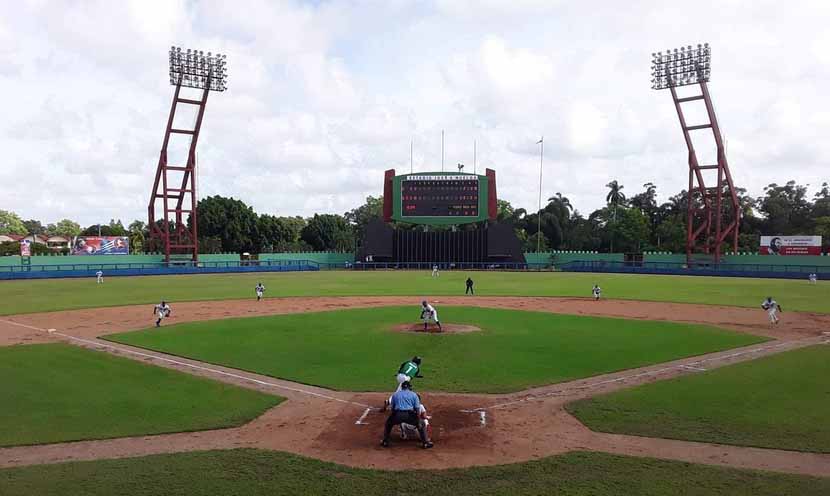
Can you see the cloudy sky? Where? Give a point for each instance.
(325, 95)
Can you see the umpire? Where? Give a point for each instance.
(405, 405)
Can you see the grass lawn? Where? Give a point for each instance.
(780, 401)
(253, 472)
(354, 349)
(63, 294)
(56, 392)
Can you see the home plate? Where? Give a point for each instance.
(51, 330)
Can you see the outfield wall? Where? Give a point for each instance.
(320, 257)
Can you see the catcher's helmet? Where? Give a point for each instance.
(416, 360)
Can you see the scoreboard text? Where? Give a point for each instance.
(440, 196)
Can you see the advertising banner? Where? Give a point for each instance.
(25, 247)
(790, 245)
(100, 245)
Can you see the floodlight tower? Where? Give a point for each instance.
(175, 185)
(713, 213)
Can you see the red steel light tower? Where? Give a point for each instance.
(175, 185)
(713, 211)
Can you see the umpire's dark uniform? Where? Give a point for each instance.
(469, 287)
(405, 405)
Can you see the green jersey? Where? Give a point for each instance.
(408, 368)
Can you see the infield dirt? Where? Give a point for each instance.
(346, 428)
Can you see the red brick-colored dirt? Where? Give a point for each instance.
(468, 429)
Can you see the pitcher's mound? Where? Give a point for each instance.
(433, 329)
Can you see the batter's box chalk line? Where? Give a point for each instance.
(360, 420)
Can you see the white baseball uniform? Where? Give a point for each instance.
(408, 430)
(435, 271)
(100, 277)
(428, 313)
(771, 306)
(596, 292)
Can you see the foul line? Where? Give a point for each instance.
(685, 366)
(185, 364)
(363, 417)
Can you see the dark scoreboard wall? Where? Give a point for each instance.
(439, 197)
(430, 196)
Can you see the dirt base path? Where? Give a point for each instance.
(468, 429)
(91, 323)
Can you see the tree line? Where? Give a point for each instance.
(624, 224)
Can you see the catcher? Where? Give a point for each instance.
(428, 313)
(405, 410)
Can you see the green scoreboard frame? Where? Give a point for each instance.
(393, 201)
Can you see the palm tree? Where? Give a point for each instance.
(615, 197)
(560, 208)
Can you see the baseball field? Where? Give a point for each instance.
(668, 385)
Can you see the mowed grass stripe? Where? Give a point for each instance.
(781, 401)
(56, 392)
(355, 350)
(254, 472)
(66, 294)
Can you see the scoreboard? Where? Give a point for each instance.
(439, 197)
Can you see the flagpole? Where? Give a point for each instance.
(442, 150)
(474, 156)
(411, 146)
(539, 225)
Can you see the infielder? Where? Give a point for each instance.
(162, 311)
(597, 292)
(772, 307)
(428, 313)
(100, 277)
(405, 410)
(259, 290)
(435, 271)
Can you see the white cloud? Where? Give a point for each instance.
(324, 96)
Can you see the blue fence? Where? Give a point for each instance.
(441, 266)
(153, 269)
(722, 270)
(172, 268)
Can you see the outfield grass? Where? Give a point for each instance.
(354, 349)
(781, 401)
(253, 472)
(63, 294)
(56, 392)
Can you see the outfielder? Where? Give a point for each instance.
(259, 290)
(428, 313)
(162, 311)
(597, 292)
(772, 307)
(99, 277)
(813, 278)
(435, 271)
